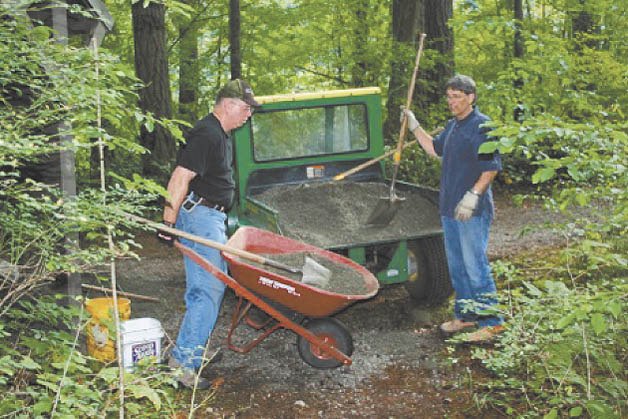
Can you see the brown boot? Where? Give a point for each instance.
(455, 326)
(484, 334)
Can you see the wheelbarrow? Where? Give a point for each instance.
(323, 342)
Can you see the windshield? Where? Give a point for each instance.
(309, 131)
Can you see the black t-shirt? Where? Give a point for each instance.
(208, 152)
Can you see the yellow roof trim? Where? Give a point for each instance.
(291, 97)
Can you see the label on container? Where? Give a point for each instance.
(142, 350)
(271, 283)
(392, 272)
(315, 171)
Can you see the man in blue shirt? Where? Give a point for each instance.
(466, 208)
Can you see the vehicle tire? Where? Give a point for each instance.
(331, 331)
(430, 284)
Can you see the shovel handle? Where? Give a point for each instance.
(213, 244)
(366, 164)
(404, 121)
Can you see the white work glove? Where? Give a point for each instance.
(466, 206)
(412, 122)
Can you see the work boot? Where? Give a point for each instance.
(484, 334)
(455, 326)
(187, 376)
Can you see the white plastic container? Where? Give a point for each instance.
(141, 338)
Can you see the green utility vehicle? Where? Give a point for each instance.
(286, 156)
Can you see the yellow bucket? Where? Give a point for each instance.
(99, 345)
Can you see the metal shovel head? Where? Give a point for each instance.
(385, 211)
(315, 274)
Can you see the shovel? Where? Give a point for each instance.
(388, 206)
(312, 272)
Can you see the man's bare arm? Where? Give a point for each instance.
(178, 186)
(483, 182)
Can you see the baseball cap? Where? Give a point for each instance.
(238, 89)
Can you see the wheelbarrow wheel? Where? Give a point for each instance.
(331, 331)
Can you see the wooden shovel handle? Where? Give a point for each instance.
(366, 164)
(404, 120)
(210, 243)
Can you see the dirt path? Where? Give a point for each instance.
(399, 369)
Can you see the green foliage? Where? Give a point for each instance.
(314, 45)
(564, 348)
(572, 93)
(43, 371)
(564, 351)
(44, 84)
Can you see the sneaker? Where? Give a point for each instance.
(187, 376)
(485, 334)
(455, 326)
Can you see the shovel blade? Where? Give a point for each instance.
(315, 274)
(384, 212)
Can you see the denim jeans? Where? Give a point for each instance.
(465, 245)
(204, 292)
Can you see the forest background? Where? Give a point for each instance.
(552, 74)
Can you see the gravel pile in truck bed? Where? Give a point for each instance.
(333, 215)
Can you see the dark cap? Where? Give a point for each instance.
(238, 89)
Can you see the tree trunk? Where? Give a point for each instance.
(188, 70)
(405, 27)
(234, 39)
(360, 38)
(583, 24)
(151, 66)
(518, 112)
(518, 6)
(439, 37)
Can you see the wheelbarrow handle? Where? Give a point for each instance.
(219, 246)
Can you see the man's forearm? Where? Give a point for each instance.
(426, 140)
(178, 186)
(483, 182)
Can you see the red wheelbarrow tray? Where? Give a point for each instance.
(302, 298)
(249, 282)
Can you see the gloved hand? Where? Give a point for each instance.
(164, 237)
(412, 122)
(466, 206)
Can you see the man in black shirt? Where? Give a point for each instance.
(201, 191)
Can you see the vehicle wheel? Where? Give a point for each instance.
(331, 331)
(429, 281)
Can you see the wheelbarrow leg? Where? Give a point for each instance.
(239, 313)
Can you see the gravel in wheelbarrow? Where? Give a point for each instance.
(350, 282)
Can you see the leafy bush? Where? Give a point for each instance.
(563, 352)
(42, 370)
(49, 106)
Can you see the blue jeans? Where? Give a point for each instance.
(204, 292)
(465, 245)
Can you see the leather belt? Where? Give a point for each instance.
(211, 205)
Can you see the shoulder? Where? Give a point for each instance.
(479, 121)
(207, 128)
(479, 116)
